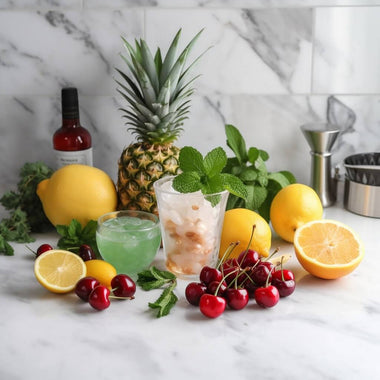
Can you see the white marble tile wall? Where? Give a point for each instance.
(273, 66)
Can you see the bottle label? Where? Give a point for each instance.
(64, 158)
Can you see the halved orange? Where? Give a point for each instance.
(327, 248)
(58, 270)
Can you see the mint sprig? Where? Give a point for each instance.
(205, 174)
(249, 166)
(154, 278)
(74, 235)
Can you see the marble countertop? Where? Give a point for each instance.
(324, 330)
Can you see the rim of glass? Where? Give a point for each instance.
(194, 194)
(113, 215)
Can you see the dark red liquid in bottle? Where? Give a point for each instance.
(72, 137)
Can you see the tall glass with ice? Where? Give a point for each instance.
(191, 225)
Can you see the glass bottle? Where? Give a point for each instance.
(71, 142)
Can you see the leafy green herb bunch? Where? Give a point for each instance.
(249, 166)
(25, 208)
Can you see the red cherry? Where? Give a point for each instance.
(251, 288)
(99, 298)
(230, 263)
(86, 252)
(284, 281)
(85, 286)
(243, 278)
(283, 274)
(123, 286)
(212, 306)
(237, 299)
(248, 258)
(269, 265)
(230, 270)
(214, 286)
(43, 248)
(261, 274)
(209, 274)
(194, 291)
(285, 288)
(267, 297)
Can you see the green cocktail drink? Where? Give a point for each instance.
(129, 240)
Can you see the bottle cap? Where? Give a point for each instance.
(70, 106)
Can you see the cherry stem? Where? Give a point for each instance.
(122, 298)
(282, 271)
(31, 250)
(227, 253)
(246, 273)
(267, 281)
(272, 254)
(249, 243)
(223, 279)
(72, 248)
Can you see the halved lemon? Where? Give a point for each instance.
(327, 248)
(59, 270)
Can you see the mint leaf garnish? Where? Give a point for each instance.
(154, 278)
(215, 161)
(205, 174)
(250, 168)
(187, 182)
(191, 160)
(165, 302)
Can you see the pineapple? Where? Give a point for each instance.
(158, 94)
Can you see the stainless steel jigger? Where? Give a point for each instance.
(321, 138)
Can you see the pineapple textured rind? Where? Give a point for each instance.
(136, 174)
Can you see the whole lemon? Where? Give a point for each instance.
(292, 207)
(237, 226)
(103, 271)
(77, 192)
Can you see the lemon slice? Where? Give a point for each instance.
(281, 259)
(327, 248)
(59, 270)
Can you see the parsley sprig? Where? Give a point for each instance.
(154, 278)
(25, 209)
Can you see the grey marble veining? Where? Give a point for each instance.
(276, 38)
(272, 67)
(89, 4)
(257, 51)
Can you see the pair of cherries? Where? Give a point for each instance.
(98, 296)
(85, 251)
(236, 282)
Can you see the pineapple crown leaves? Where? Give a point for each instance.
(158, 90)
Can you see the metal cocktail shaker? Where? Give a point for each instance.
(321, 138)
